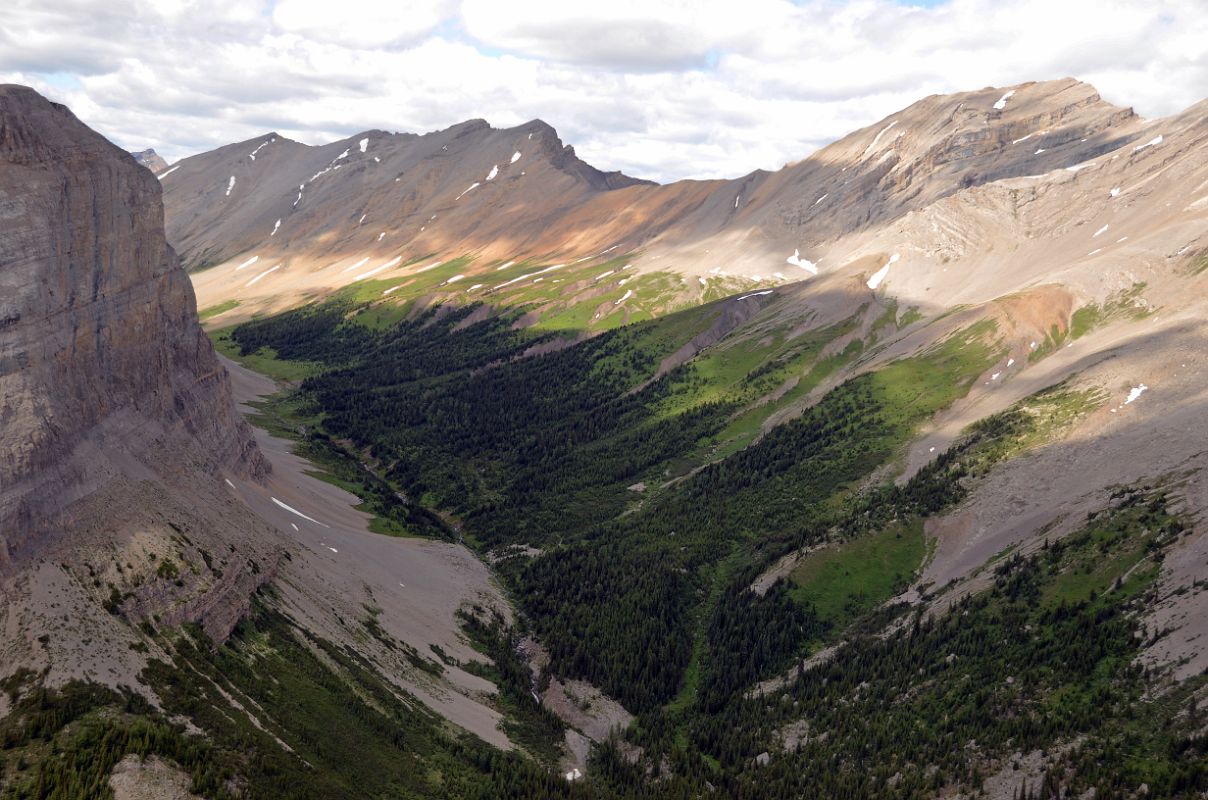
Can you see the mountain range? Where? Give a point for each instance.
(879, 475)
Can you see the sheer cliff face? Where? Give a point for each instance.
(102, 361)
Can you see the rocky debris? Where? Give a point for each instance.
(153, 778)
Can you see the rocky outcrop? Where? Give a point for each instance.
(103, 366)
(151, 160)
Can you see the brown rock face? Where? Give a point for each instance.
(151, 160)
(102, 361)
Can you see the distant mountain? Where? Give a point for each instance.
(151, 160)
(520, 194)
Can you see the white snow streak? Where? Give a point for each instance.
(1115, 192)
(1134, 393)
(453, 279)
(357, 265)
(166, 173)
(755, 294)
(880, 274)
(472, 186)
(820, 199)
(275, 227)
(504, 266)
(230, 186)
(248, 263)
(433, 265)
(628, 294)
(1157, 140)
(1102, 230)
(876, 139)
(260, 147)
(391, 263)
(262, 274)
(364, 144)
(515, 157)
(494, 171)
(1002, 101)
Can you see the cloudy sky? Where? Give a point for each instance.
(663, 89)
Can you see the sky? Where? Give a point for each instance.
(661, 89)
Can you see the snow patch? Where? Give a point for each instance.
(453, 279)
(628, 294)
(433, 265)
(876, 139)
(1115, 192)
(736, 199)
(471, 187)
(494, 171)
(228, 482)
(504, 266)
(381, 236)
(275, 227)
(262, 274)
(364, 143)
(248, 263)
(260, 147)
(515, 157)
(703, 282)
(1002, 101)
(1096, 251)
(1101, 230)
(881, 274)
(823, 197)
(755, 294)
(1136, 391)
(1154, 142)
(391, 263)
(362, 219)
(230, 186)
(357, 265)
(797, 261)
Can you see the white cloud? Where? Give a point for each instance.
(659, 89)
(369, 24)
